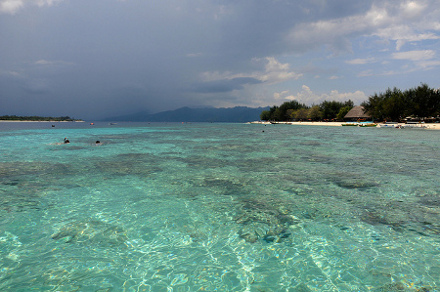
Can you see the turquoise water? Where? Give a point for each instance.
(218, 207)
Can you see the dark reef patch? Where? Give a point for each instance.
(17, 169)
(91, 232)
(265, 219)
(348, 182)
(138, 164)
(432, 200)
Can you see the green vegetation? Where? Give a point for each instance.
(37, 118)
(295, 111)
(395, 105)
(421, 103)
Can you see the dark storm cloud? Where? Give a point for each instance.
(258, 28)
(95, 58)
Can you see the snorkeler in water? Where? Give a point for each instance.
(66, 141)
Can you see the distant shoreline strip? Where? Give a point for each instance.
(427, 126)
(24, 121)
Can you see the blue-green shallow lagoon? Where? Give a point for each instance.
(218, 207)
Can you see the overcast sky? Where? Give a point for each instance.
(98, 58)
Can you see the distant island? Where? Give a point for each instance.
(38, 119)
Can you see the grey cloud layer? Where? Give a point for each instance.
(111, 56)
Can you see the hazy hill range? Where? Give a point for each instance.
(239, 114)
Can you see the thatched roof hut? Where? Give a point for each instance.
(356, 113)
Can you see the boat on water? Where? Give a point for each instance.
(393, 125)
(414, 126)
(389, 125)
(259, 122)
(359, 124)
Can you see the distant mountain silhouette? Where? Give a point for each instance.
(239, 114)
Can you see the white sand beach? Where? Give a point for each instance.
(427, 126)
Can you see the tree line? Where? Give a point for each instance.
(36, 118)
(396, 105)
(392, 105)
(296, 111)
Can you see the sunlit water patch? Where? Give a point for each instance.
(218, 207)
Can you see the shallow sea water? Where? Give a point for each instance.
(218, 207)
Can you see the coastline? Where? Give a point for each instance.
(427, 126)
(26, 121)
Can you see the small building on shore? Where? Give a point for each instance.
(357, 113)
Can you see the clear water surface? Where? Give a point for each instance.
(218, 207)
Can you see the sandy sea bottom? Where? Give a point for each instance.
(218, 207)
